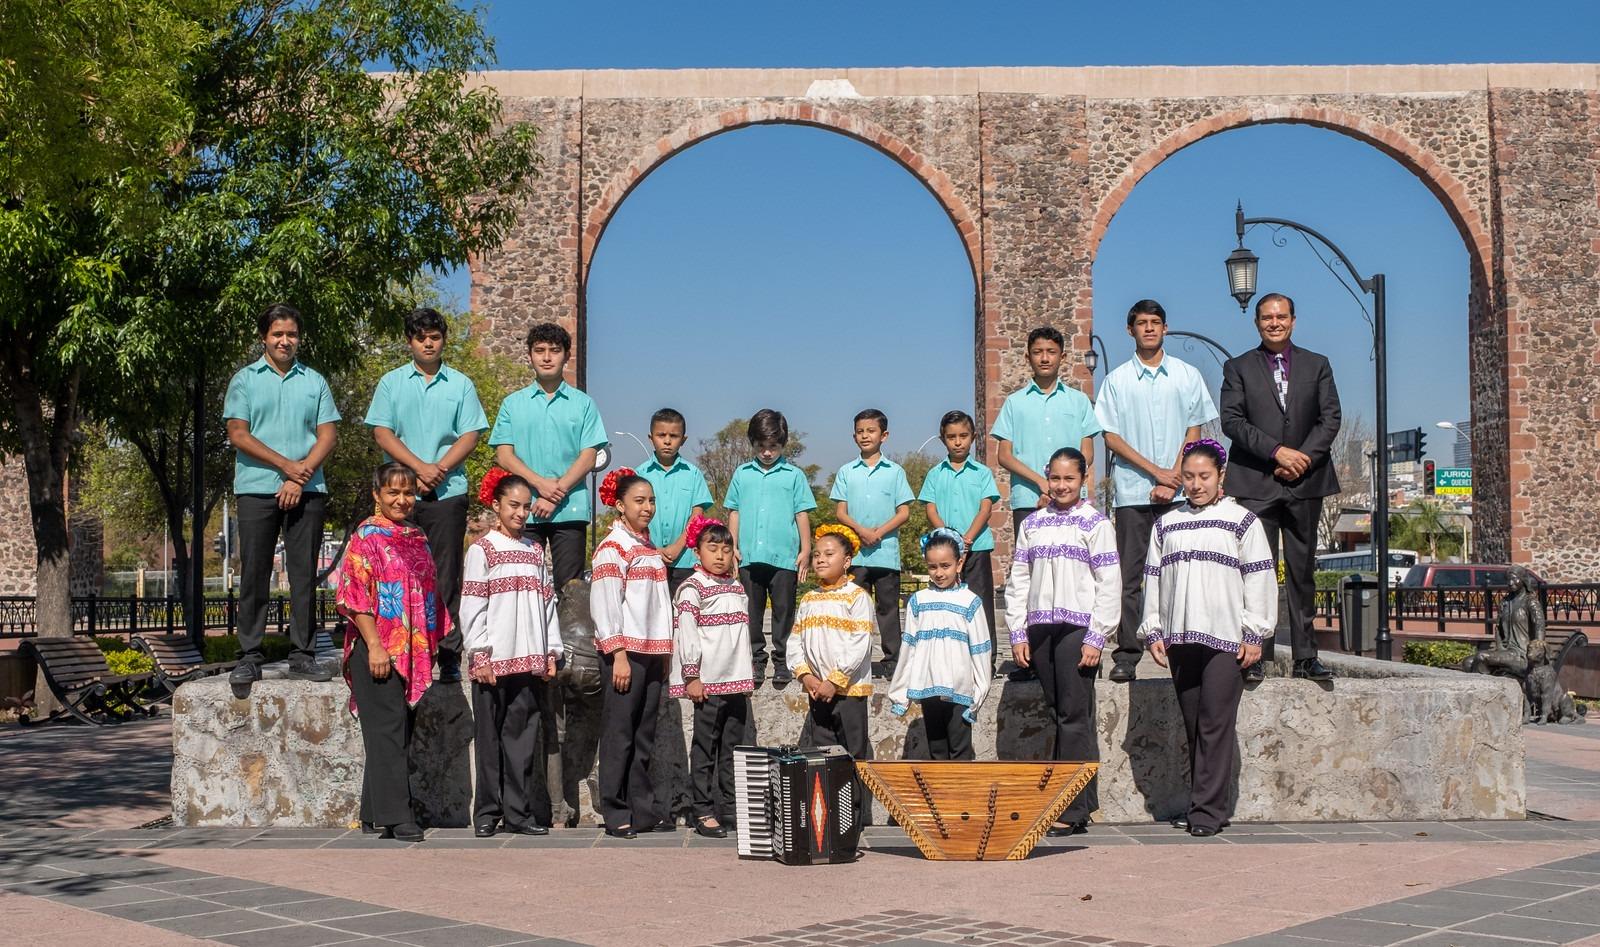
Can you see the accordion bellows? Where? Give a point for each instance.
(796, 805)
(972, 811)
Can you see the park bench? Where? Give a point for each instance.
(177, 660)
(82, 682)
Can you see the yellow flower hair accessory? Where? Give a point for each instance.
(843, 532)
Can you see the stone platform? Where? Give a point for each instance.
(1386, 741)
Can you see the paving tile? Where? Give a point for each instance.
(294, 935)
(1514, 887)
(466, 935)
(196, 887)
(322, 909)
(1582, 907)
(1586, 863)
(1347, 930)
(390, 922)
(1466, 901)
(110, 897)
(263, 897)
(1462, 939)
(1548, 875)
(1406, 912)
(147, 911)
(65, 884)
(1528, 928)
(269, 844)
(232, 921)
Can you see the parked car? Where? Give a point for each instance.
(1459, 580)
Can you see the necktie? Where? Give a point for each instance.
(1280, 378)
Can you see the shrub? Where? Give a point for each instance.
(220, 648)
(1438, 654)
(129, 661)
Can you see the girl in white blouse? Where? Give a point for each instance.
(633, 633)
(1210, 597)
(1063, 599)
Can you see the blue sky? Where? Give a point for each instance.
(795, 268)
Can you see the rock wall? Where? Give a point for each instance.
(1385, 742)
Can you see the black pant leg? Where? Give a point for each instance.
(1017, 516)
(675, 578)
(1133, 526)
(617, 715)
(784, 582)
(386, 737)
(260, 521)
(852, 715)
(568, 556)
(488, 715)
(959, 734)
(527, 801)
(444, 522)
(1270, 515)
(886, 596)
(977, 573)
(733, 730)
(1300, 573)
(302, 539)
(1209, 694)
(703, 757)
(649, 672)
(757, 581)
(1070, 693)
(1188, 666)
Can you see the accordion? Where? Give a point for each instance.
(797, 806)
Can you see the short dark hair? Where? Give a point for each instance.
(425, 319)
(1147, 307)
(1049, 334)
(715, 533)
(873, 414)
(768, 425)
(1204, 450)
(392, 470)
(1273, 297)
(274, 313)
(957, 417)
(509, 481)
(1072, 454)
(667, 416)
(551, 333)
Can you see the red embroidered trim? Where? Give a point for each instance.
(725, 618)
(532, 556)
(534, 663)
(691, 670)
(713, 690)
(647, 573)
(519, 583)
(630, 643)
(473, 589)
(605, 570)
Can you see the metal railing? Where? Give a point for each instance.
(127, 615)
(1471, 610)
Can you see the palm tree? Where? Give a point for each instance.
(1428, 520)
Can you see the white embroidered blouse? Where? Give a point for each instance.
(508, 606)
(628, 595)
(713, 636)
(1064, 570)
(944, 651)
(1209, 578)
(832, 638)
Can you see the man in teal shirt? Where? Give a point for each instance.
(428, 417)
(547, 434)
(280, 417)
(681, 491)
(872, 497)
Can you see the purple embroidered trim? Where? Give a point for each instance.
(1094, 641)
(1199, 555)
(1058, 616)
(1101, 560)
(1261, 566)
(1153, 572)
(1163, 527)
(1252, 638)
(1197, 637)
(1085, 520)
(1019, 637)
(1054, 551)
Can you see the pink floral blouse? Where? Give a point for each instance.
(388, 573)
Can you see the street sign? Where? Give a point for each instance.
(1453, 481)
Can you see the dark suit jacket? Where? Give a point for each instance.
(1256, 425)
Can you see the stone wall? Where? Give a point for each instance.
(1385, 741)
(1032, 165)
(19, 568)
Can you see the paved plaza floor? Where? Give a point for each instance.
(75, 868)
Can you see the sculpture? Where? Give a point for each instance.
(1521, 651)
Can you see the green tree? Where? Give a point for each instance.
(308, 178)
(1425, 524)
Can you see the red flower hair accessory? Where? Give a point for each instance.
(490, 481)
(608, 486)
(697, 525)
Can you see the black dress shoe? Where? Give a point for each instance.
(484, 829)
(1200, 831)
(710, 831)
(1123, 674)
(1021, 675)
(1313, 669)
(308, 669)
(406, 832)
(665, 825)
(621, 833)
(1256, 673)
(1180, 822)
(1058, 831)
(449, 669)
(243, 675)
(530, 829)
(367, 828)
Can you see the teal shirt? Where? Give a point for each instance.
(958, 494)
(1038, 425)
(873, 493)
(1151, 409)
(548, 433)
(680, 490)
(283, 412)
(429, 416)
(767, 500)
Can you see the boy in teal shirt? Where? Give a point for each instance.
(769, 503)
(428, 417)
(960, 493)
(873, 498)
(547, 434)
(681, 490)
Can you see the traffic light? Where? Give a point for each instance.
(1427, 477)
(1422, 444)
(216, 544)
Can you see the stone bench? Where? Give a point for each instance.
(1387, 741)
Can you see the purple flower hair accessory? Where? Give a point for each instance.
(1222, 452)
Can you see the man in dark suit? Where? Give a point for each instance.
(1281, 410)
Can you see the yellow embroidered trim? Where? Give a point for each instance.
(839, 679)
(803, 670)
(834, 623)
(858, 690)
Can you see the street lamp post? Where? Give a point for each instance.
(1241, 265)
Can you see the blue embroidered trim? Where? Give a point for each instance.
(925, 693)
(928, 634)
(920, 607)
(982, 647)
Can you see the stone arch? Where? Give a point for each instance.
(841, 122)
(1444, 185)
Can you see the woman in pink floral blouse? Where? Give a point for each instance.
(386, 589)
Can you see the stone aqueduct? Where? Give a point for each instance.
(1031, 164)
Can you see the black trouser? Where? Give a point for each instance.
(884, 587)
(1296, 521)
(977, 572)
(1133, 525)
(508, 729)
(1209, 683)
(444, 522)
(721, 723)
(675, 578)
(386, 736)
(1017, 516)
(568, 549)
(842, 721)
(260, 522)
(761, 581)
(949, 734)
(628, 740)
(1069, 698)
